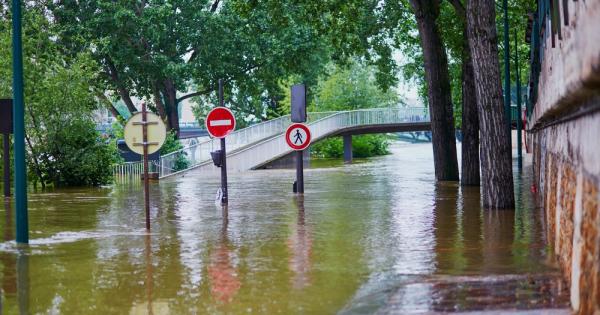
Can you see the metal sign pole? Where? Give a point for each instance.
(300, 171)
(6, 168)
(146, 179)
(507, 72)
(225, 195)
(22, 233)
(519, 122)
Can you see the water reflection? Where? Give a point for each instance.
(23, 282)
(300, 247)
(149, 272)
(223, 275)
(363, 231)
(8, 260)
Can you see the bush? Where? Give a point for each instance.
(171, 145)
(362, 147)
(74, 155)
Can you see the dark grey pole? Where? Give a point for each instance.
(23, 282)
(347, 149)
(519, 118)
(146, 179)
(22, 220)
(507, 73)
(300, 171)
(6, 168)
(225, 196)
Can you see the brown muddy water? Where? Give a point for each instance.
(380, 236)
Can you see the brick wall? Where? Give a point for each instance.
(565, 132)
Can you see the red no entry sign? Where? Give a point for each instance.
(220, 122)
(298, 136)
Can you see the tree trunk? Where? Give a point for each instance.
(160, 107)
(172, 106)
(439, 93)
(496, 163)
(470, 120)
(123, 92)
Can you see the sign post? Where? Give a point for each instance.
(298, 138)
(6, 128)
(22, 220)
(219, 123)
(152, 135)
(300, 133)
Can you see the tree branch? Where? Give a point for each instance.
(108, 104)
(459, 8)
(123, 92)
(160, 106)
(214, 6)
(203, 92)
(212, 87)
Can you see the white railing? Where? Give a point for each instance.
(253, 146)
(199, 153)
(275, 147)
(133, 170)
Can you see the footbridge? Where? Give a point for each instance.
(254, 146)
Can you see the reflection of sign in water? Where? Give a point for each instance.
(222, 272)
(298, 136)
(300, 246)
(218, 197)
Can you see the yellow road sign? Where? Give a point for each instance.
(157, 132)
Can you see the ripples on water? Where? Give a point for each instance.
(365, 237)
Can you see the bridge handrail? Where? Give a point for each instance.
(276, 147)
(198, 154)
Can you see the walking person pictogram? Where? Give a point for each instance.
(298, 137)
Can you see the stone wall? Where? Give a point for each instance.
(565, 132)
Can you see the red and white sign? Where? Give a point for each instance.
(298, 136)
(220, 122)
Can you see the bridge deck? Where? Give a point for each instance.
(251, 147)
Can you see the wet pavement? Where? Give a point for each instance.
(375, 237)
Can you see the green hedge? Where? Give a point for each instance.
(362, 147)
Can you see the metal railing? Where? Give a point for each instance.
(277, 147)
(199, 153)
(133, 170)
(247, 149)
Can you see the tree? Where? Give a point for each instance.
(438, 87)
(353, 87)
(470, 120)
(496, 161)
(63, 145)
(168, 52)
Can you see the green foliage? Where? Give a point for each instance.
(350, 88)
(63, 145)
(171, 145)
(362, 147)
(75, 156)
(328, 148)
(450, 26)
(354, 87)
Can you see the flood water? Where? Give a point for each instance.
(379, 236)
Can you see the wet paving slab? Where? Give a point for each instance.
(441, 294)
(488, 293)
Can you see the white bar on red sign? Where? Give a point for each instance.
(223, 122)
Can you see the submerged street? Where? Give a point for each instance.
(379, 235)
